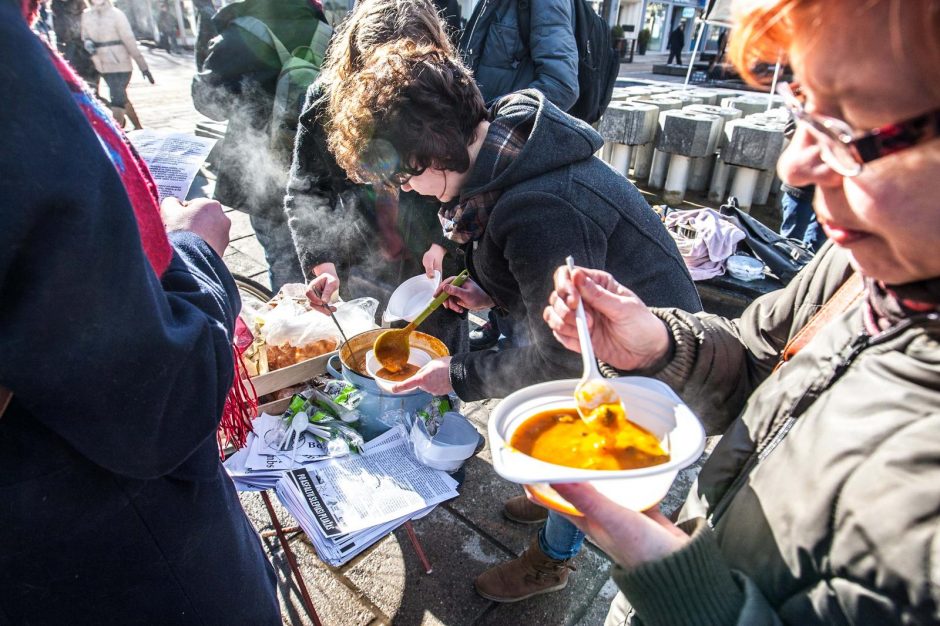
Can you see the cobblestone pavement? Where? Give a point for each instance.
(387, 584)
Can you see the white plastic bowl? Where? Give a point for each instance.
(415, 357)
(411, 297)
(648, 402)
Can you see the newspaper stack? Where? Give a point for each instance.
(260, 464)
(346, 504)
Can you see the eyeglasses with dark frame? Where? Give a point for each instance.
(405, 174)
(846, 150)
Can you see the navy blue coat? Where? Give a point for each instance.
(114, 508)
(496, 53)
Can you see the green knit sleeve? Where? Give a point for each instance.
(694, 587)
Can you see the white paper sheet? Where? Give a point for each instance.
(174, 159)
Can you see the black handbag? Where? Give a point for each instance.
(785, 257)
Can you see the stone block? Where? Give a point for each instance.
(686, 97)
(708, 96)
(688, 133)
(752, 144)
(629, 123)
(751, 104)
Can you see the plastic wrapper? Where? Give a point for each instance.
(325, 424)
(287, 330)
(433, 413)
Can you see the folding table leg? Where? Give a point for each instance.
(417, 546)
(291, 560)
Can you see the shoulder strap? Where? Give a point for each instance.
(260, 30)
(850, 291)
(5, 396)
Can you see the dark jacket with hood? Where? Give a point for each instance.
(820, 504)
(114, 508)
(237, 83)
(494, 49)
(557, 199)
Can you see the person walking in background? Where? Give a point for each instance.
(238, 83)
(116, 336)
(494, 48)
(820, 503)
(166, 25)
(67, 25)
(107, 36)
(676, 44)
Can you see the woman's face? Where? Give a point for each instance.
(442, 184)
(888, 216)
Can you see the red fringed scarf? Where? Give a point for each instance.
(242, 403)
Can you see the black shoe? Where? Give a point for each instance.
(484, 337)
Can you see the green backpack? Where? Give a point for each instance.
(299, 69)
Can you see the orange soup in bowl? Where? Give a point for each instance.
(560, 436)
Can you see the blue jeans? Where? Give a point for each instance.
(559, 538)
(799, 221)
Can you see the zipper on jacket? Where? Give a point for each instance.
(862, 341)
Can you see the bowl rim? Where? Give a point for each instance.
(500, 447)
(386, 384)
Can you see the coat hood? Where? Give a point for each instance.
(555, 141)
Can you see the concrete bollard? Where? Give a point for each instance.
(708, 96)
(718, 187)
(750, 104)
(745, 182)
(764, 183)
(624, 125)
(643, 164)
(686, 135)
(686, 97)
(702, 168)
(753, 145)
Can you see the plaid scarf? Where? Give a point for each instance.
(465, 220)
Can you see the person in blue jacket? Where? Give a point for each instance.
(117, 360)
(495, 50)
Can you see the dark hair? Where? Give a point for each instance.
(411, 107)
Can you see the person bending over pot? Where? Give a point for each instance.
(521, 190)
(820, 504)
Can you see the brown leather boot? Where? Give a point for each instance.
(522, 510)
(531, 574)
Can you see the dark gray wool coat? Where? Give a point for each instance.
(558, 199)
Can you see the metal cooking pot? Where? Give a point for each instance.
(349, 364)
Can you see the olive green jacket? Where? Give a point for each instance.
(821, 503)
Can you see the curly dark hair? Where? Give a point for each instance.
(411, 107)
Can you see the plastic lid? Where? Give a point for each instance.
(745, 267)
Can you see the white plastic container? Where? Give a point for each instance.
(454, 442)
(744, 267)
(648, 402)
(416, 357)
(411, 297)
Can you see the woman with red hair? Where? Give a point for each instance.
(820, 504)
